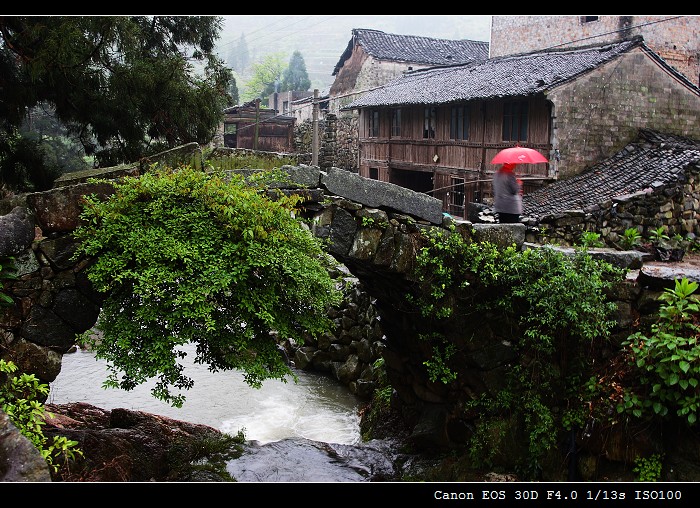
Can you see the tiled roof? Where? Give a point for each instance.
(651, 161)
(508, 76)
(414, 49)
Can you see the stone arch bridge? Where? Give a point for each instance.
(374, 228)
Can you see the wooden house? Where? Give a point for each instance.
(256, 128)
(436, 130)
(373, 58)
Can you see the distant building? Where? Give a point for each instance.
(373, 58)
(281, 102)
(257, 128)
(302, 109)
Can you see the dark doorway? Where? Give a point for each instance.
(419, 181)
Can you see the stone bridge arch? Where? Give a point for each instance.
(54, 299)
(373, 228)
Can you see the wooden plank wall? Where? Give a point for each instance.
(468, 159)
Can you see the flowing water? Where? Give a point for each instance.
(316, 407)
(296, 432)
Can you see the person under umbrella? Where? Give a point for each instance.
(507, 195)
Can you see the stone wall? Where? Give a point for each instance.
(675, 206)
(676, 39)
(348, 352)
(602, 107)
(338, 141)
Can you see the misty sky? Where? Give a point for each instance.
(322, 38)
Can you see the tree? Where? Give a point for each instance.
(265, 77)
(295, 76)
(239, 57)
(233, 91)
(127, 86)
(186, 256)
(60, 147)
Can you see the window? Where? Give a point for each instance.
(515, 121)
(457, 196)
(459, 122)
(588, 19)
(373, 127)
(374, 173)
(396, 123)
(430, 119)
(230, 128)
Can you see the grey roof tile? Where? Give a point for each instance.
(508, 76)
(652, 160)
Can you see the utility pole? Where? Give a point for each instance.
(257, 123)
(314, 143)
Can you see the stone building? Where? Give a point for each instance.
(676, 39)
(652, 182)
(373, 58)
(436, 130)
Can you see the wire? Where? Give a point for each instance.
(613, 32)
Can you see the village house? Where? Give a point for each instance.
(436, 130)
(373, 58)
(257, 128)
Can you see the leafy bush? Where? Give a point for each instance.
(648, 469)
(668, 359)
(563, 314)
(186, 256)
(19, 398)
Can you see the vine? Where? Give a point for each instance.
(559, 305)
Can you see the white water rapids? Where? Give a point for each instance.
(316, 408)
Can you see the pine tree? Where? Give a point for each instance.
(295, 76)
(239, 56)
(127, 85)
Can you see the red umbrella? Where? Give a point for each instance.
(518, 155)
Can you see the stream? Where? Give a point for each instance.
(306, 431)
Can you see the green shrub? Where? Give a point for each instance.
(560, 305)
(658, 235)
(667, 359)
(591, 239)
(186, 256)
(19, 398)
(648, 469)
(631, 238)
